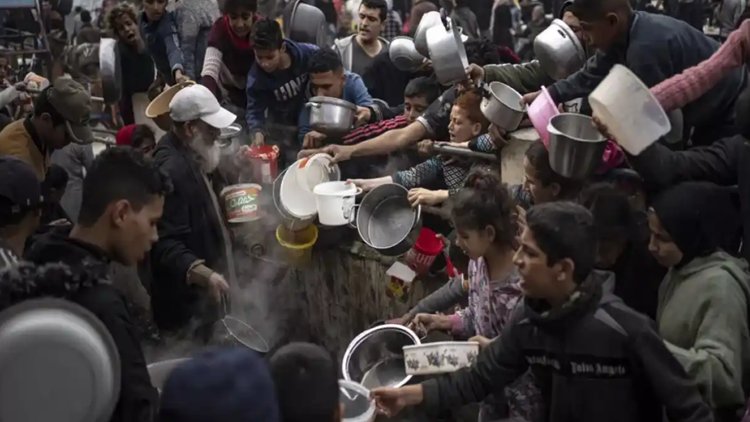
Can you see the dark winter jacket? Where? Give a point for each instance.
(594, 360)
(282, 95)
(89, 286)
(724, 163)
(189, 231)
(657, 48)
(163, 44)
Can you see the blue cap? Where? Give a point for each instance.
(227, 385)
(19, 186)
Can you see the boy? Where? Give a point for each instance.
(593, 358)
(306, 383)
(20, 208)
(136, 65)
(277, 80)
(159, 28)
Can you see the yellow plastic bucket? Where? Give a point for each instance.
(297, 245)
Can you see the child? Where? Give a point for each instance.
(159, 28)
(306, 381)
(140, 137)
(229, 55)
(482, 214)
(467, 122)
(136, 65)
(540, 183)
(593, 358)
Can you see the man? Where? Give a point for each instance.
(277, 80)
(357, 51)
(593, 358)
(123, 198)
(20, 208)
(654, 47)
(61, 115)
(329, 79)
(194, 247)
(87, 33)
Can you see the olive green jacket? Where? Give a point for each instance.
(524, 78)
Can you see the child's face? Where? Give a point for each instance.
(127, 30)
(461, 128)
(475, 243)
(538, 191)
(269, 60)
(241, 21)
(538, 279)
(154, 9)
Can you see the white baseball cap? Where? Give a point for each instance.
(197, 102)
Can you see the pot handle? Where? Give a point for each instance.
(312, 105)
(419, 213)
(353, 215)
(562, 33)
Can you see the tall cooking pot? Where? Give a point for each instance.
(447, 53)
(429, 20)
(559, 51)
(503, 107)
(386, 220)
(331, 116)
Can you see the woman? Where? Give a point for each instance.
(702, 312)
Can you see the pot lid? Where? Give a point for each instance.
(58, 362)
(334, 101)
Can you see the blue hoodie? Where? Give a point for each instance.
(355, 92)
(282, 93)
(163, 44)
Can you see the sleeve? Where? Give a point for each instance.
(462, 323)
(257, 103)
(7, 96)
(692, 83)
(361, 95)
(441, 299)
(715, 360)
(189, 27)
(420, 175)
(718, 163)
(501, 363)
(482, 143)
(671, 385)
(211, 70)
(170, 255)
(172, 43)
(524, 78)
(585, 80)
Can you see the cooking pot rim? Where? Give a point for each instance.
(556, 131)
(367, 333)
(416, 214)
(333, 101)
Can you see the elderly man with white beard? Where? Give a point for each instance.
(192, 260)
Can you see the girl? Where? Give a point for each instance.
(702, 312)
(483, 216)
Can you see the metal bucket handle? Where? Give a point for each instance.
(353, 216)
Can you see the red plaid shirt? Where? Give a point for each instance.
(372, 130)
(692, 83)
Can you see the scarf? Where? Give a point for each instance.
(238, 42)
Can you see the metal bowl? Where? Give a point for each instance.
(331, 116)
(404, 55)
(305, 23)
(575, 146)
(559, 51)
(375, 357)
(503, 106)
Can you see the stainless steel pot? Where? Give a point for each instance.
(305, 23)
(331, 116)
(386, 221)
(448, 54)
(109, 68)
(575, 146)
(559, 51)
(375, 357)
(429, 20)
(503, 106)
(404, 55)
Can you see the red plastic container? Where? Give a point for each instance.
(264, 162)
(427, 247)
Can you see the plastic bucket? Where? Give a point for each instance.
(427, 247)
(241, 202)
(335, 202)
(540, 111)
(297, 245)
(264, 162)
(631, 113)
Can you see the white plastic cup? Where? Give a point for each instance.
(335, 202)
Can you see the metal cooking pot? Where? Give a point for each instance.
(429, 20)
(305, 23)
(109, 68)
(331, 116)
(559, 51)
(404, 55)
(575, 146)
(448, 54)
(386, 221)
(375, 357)
(503, 106)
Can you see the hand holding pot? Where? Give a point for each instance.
(475, 73)
(339, 152)
(313, 139)
(180, 77)
(425, 323)
(391, 401)
(258, 139)
(530, 97)
(426, 148)
(602, 128)
(498, 137)
(422, 196)
(482, 340)
(363, 116)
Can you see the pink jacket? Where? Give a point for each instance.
(693, 82)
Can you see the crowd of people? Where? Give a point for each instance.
(622, 296)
